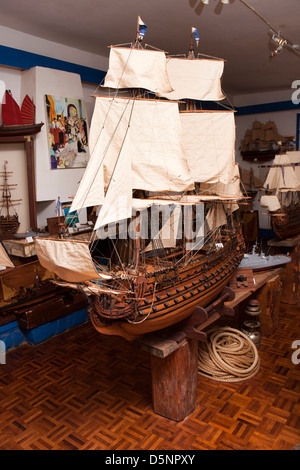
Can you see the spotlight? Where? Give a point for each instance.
(225, 2)
(277, 51)
(206, 2)
(278, 40)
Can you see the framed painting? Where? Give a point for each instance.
(67, 132)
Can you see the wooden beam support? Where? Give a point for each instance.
(174, 382)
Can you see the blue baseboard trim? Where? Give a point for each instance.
(13, 336)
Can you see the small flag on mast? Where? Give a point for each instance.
(142, 29)
(195, 32)
(58, 206)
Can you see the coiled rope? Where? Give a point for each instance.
(228, 356)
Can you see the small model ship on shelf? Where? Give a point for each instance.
(9, 220)
(16, 121)
(260, 261)
(282, 198)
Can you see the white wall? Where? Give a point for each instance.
(26, 42)
(49, 185)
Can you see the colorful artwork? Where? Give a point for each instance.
(71, 218)
(67, 132)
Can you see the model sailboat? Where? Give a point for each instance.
(282, 199)
(9, 220)
(167, 188)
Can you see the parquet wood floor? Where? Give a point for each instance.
(81, 390)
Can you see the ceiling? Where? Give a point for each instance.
(231, 31)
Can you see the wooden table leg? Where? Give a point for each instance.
(291, 280)
(269, 299)
(174, 382)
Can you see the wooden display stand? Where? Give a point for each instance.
(268, 297)
(174, 382)
(291, 278)
(174, 353)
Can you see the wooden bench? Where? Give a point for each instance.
(174, 360)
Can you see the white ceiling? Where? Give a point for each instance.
(231, 31)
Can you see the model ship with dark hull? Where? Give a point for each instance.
(9, 219)
(164, 178)
(283, 194)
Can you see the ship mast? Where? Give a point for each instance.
(6, 194)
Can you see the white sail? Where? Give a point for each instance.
(229, 190)
(137, 68)
(209, 144)
(270, 202)
(282, 176)
(4, 259)
(117, 204)
(158, 161)
(68, 259)
(216, 217)
(198, 79)
(91, 188)
(150, 131)
(295, 160)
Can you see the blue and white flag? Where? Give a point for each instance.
(57, 208)
(142, 29)
(195, 32)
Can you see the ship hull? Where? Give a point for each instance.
(20, 130)
(161, 307)
(9, 225)
(286, 223)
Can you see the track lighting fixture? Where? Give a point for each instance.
(279, 40)
(206, 2)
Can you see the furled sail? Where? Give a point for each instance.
(68, 259)
(137, 68)
(198, 79)
(229, 190)
(168, 234)
(216, 217)
(282, 176)
(209, 144)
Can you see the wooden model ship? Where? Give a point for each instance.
(9, 219)
(283, 190)
(163, 174)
